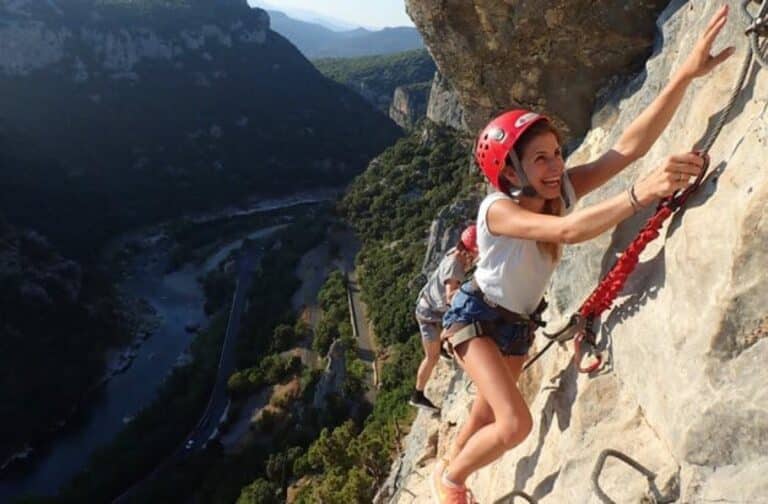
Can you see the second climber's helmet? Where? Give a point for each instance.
(469, 238)
(496, 144)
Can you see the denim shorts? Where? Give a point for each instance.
(512, 339)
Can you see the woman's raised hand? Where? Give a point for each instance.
(700, 61)
(676, 172)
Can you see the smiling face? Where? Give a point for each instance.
(542, 161)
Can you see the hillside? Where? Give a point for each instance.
(377, 77)
(117, 113)
(58, 319)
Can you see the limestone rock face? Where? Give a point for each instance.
(683, 392)
(38, 34)
(548, 55)
(445, 230)
(444, 106)
(333, 376)
(409, 104)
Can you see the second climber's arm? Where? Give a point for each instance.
(451, 288)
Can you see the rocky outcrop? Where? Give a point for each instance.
(444, 106)
(445, 230)
(38, 34)
(376, 78)
(683, 390)
(332, 379)
(551, 55)
(409, 104)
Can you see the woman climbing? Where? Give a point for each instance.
(434, 299)
(521, 228)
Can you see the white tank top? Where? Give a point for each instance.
(513, 272)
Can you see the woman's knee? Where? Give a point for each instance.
(480, 419)
(514, 429)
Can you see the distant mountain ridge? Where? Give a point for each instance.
(308, 16)
(316, 41)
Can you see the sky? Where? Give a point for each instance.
(367, 13)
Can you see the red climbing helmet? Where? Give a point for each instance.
(497, 141)
(469, 238)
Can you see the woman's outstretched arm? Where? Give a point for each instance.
(643, 132)
(507, 218)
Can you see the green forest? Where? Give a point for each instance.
(376, 77)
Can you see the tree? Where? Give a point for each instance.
(260, 491)
(283, 337)
(331, 448)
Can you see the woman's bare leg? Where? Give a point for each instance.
(512, 423)
(515, 365)
(481, 413)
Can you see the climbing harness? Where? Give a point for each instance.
(461, 333)
(581, 325)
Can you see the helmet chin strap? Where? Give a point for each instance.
(527, 189)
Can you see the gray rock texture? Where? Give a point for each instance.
(409, 104)
(548, 55)
(444, 106)
(683, 391)
(333, 376)
(445, 230)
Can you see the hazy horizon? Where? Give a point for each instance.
(376, 14)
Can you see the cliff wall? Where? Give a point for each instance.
(683, 389)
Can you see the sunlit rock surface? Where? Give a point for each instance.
(684, 389)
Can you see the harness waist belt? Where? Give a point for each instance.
(465, 332)
(507, 315)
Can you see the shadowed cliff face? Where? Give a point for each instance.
(122, 112)
(409, 104)
(548, 55)
(683, 392)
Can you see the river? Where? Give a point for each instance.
(177, 299)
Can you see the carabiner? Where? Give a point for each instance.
(575, 324)
(583, 337)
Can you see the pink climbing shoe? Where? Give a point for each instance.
(443, 493)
